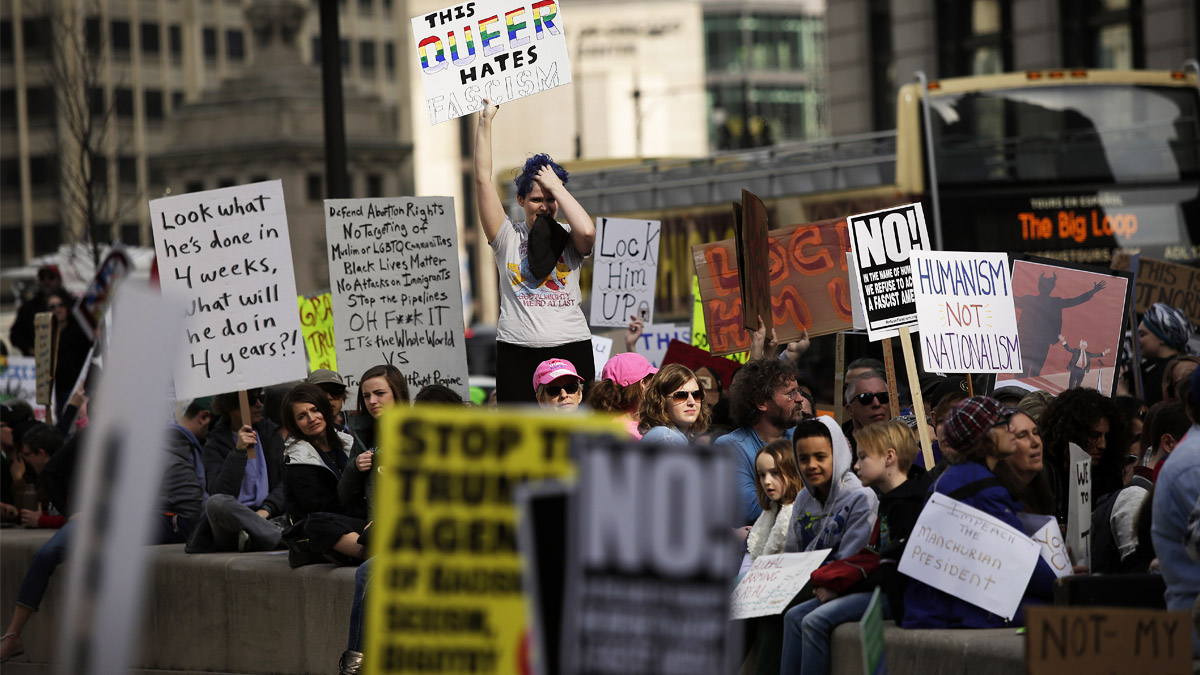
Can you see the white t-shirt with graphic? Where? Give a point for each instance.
(537, 312)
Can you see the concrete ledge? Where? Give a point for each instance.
(213, 613)
(999, 651)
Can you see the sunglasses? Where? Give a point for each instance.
(865, 397)
(253, 397)
(553, 391)
(684, 394)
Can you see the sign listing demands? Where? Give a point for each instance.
(965, 311)
(971, 555)
(1107, 640)
(227, 255)
(393, 270)
(316, 320)
(448, 593)
(649, 551)
(501, 50)
(772, 581)
(625, 272)
(882, 242)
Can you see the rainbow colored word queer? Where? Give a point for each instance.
(432, 48)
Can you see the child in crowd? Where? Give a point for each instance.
(885, 455)
(777, 484)
(977, 429)
(833, 511)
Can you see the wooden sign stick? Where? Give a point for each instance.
(244, 402)
(918, 404)
(839, 379)
(889, 365)
(970, 385)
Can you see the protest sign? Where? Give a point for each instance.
(44, 351)
(750, 241)
(695, 358)
(699, 336)
(1107, 640)
(393, 270)
(656, 337)
(1160, 281)
(468, 52)
(542, 535)
(601, 350)
(18, 379)
(965, 312)
(809, 285)
(117, 496)
(1044, 530)
(858, 319)
(316, 323)
(96, 297)
(1069, 321)
(446, 533)
(970, 555)
(882, 242)
(624, 271)
(772, 581)
(648, 561)
(1079, 509)
(226, 255)
(874, 657)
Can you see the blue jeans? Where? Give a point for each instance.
(808, 627)
(361, 577)
(44, 562)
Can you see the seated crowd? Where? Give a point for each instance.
(297, 475)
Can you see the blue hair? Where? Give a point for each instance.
(524, 181)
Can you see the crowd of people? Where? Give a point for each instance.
(297, 474)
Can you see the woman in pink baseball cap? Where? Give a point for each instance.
(619, 391)
(557, 385)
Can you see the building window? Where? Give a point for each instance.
(315, 187)
(974, 38)
(130, 234)
(99, 164)
(1103, 34)
(175, 35)
(374, 185)
(364, 7)
(226, 182)
(259, 178)
(46, 238)
(8, 108)
(193, 186)
(883, 73)
(389, 56)
(127, 170)
(345, 53)
(12, 244)
(10, 173)
(6, 37)
(209, 36)
(121, 41)
(124, 102)
(366, 55)
(154, 104)
(150, 41)
(176, 100)
(316, 51)
(235, 45)
(91, 29)
(37, 35)
(40, 105)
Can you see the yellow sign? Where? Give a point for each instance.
(316, 323)
(446, 595)
(699, 333)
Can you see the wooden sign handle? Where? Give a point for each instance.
(889, 366)
(244, 402)
(839, 379)
(914, 385)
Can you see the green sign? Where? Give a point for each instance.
(874, 659)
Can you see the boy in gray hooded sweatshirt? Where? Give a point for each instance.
(833, 511)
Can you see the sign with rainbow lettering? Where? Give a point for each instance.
(501, 50)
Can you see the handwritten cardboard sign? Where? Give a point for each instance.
(1161, 281)
(656, 338)
(882, 242)
(965, 311)
(699, 337)
(772, 581)
(1046, 533)
(44, 352)
(625, 271)
(97, 296)
(226, 254)
(316, 322)
(1079, 509)
(601, 350)
(501, 50)
(969, 554)
(650, 548)
(393, 269)
(444, 554)
(750, 228)
(1107, 640)
(809, 285)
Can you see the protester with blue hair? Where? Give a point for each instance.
(1162, 335)
(541, 316)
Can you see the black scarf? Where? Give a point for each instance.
(547, 239)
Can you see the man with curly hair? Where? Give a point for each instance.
(1090, 420)
(765, 405)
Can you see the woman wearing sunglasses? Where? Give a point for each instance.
(557, 385)
(673, 409)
